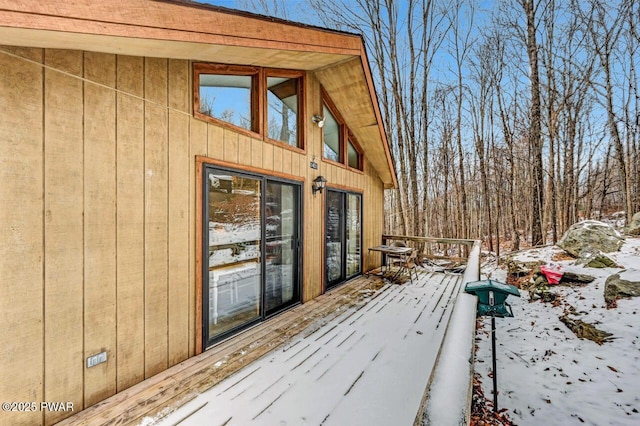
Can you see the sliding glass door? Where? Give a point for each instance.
(282, 240)
(343, 236)
(251, 261)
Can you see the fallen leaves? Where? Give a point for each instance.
(482, 413)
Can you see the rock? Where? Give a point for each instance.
(520, 273)
(586, 331)
(600, 261)
(520, 269)
(625, 284)
(634, 226)
(588, 238)
(571, 278)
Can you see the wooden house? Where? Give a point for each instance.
(161, 165)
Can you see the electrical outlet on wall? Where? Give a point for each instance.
(96, 359)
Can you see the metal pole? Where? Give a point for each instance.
(495, 371)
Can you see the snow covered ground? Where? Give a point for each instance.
(546, 374)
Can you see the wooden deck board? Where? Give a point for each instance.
(248, 370)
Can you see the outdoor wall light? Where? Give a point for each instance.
(318, 184)
(318, 120)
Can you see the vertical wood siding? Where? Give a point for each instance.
(21, 226)
(179, 194)
(98, 217)
(63, 230)
(99, 223)
(130, 219)
(156, 215)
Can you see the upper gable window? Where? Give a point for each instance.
(263, 103)
(332, 137)
(339, 144)
(354, 159)
(227, 98)
(228, 94)
(283, 108)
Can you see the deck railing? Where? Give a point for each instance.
(447, 398)
(438, 249)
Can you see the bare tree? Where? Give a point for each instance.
(535, 118)
(605, 28)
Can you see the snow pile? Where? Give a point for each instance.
(546, 374)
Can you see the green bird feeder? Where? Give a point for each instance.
(492, 301)
(492, 296)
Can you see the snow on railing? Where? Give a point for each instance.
(447, 399)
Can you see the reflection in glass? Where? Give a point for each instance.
(227, 98)
(234, 252)
(331, 136)
(281, 238)
(333, 248)
(282, 109)
(354, 157)
(354, 229)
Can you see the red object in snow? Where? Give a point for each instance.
(553, 274)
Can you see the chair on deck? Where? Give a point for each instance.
(392, 258)
(408, 263)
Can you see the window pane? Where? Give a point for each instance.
(354, 230)
(281, 233)
(234, 263)
(282, 109)
(334, 237)
(354, 160)
(227, 98)
(331, 136)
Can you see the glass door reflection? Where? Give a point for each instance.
(234, 262)
(343, 236)
(354, 231)
(281, 246)
(334, 235)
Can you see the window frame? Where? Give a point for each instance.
(345, 137)
(203, 166)
(259, 108)
(255, 102)
(300, 121)
(351, 139)
(344, 277)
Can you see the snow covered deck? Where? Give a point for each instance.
(361, 354)
(368, 366)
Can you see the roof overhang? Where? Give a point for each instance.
(193, 31)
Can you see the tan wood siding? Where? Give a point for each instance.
(99, 224)
(267, 156)
(63, 231)
(256, 153)
(156, 215)
(178, 293)
(21, 225)
(130, 222)
(215, 142)
(230, 146)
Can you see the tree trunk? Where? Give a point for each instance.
(535, 138)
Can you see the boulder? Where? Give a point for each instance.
(600, 261)
(634, 226)
(625, 284)
(572, 278)
(518, 268)
(588, 238)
